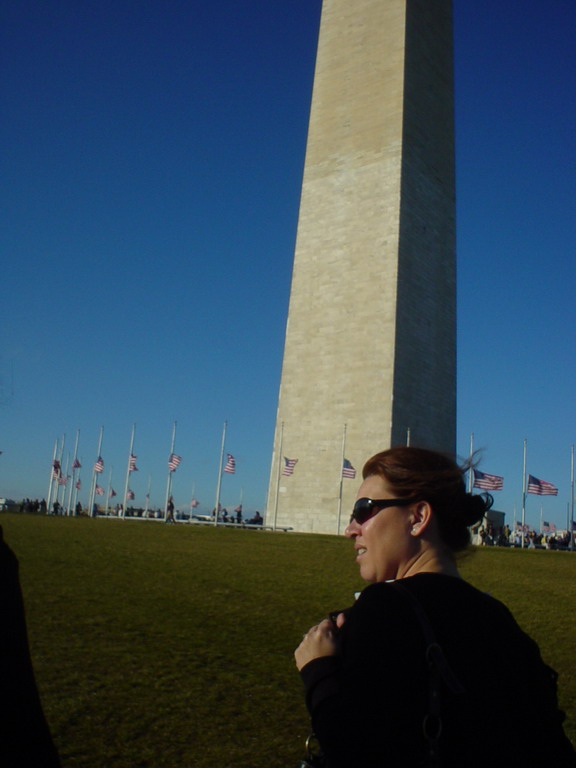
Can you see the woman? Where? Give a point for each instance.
(486, 698)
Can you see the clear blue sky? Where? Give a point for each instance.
(152, 156)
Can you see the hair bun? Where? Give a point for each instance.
(475, 507)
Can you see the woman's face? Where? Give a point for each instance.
(384, 544)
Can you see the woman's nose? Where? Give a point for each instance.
(352, 529)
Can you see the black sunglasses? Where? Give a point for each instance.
(364, 509)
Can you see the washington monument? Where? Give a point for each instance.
(370, 353)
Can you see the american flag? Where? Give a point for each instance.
(194, 503)
(348, 470)
(99, 466)
(487, 482)
(76, 464)
(99, 490)
(57, 469)
(112, 493)
(289, 465)
(132, 463)
(541, 487)
(62, 480)
(130, 496)
(230, 464)
(78, 485)
(548, 527)
(174, 462)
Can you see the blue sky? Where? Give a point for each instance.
(152, 156)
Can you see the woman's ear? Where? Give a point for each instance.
(421, 517)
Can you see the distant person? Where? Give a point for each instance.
(25, 739)
(56, 508)
(257, 519)
(170, 511)
(411, 674)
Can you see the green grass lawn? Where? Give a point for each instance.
(171, 646)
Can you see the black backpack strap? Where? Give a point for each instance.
(439, 673)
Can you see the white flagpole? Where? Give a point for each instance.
(524, 495)
(49, 502)
(408, 437)
(94, 474)
(128, 470)
(541, 514)
(191, 500)
(169, 483)
(219, 486)
(278, 475)
(75, 496)
(148, 496)
(73, 478)
(108, 493)
(571, 531)
(470, 470)
(342, 479)
(65, 476)
(60, 458)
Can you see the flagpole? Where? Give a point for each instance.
(408, 437)
(48, 505)
(148, 496)
(60, 459)
(571, 531)
(108, 494)
(219, 486)
(524, 495)
(541, 514)
(278, 475)
(192, 499)
(128, 470)
(73, 472)
(169, 483)
(470, 470)
(94, 474)
(64, 477)
(342, 478)
(75, 496)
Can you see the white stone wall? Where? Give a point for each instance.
(372, 300)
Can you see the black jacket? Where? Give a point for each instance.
(368, 703)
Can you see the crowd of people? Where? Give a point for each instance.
(40, 507)
(491, 536)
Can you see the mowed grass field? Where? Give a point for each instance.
(171, 646)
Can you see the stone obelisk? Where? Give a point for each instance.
(370, 354)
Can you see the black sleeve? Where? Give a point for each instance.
(368, 700)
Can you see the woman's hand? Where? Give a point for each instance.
(319, 641)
